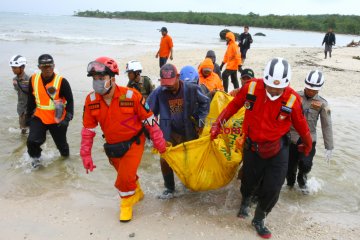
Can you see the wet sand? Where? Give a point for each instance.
(75, 209)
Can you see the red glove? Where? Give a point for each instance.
(87, 139)
(157, 137)
(218, 124)
(306, 144)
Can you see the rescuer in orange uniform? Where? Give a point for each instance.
(232, 59)
(208, 77)
(122, 114)
(271, 108)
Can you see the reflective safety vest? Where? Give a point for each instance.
(45, 102)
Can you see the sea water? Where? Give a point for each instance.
(74, 41)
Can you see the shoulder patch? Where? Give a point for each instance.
(92, 96)
(129, 93)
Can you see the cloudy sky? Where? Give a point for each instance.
(262, 7)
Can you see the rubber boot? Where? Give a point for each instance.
(259, 223)
(126, 204)
(244, 208)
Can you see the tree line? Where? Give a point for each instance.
(347, 24)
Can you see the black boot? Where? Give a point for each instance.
(244, 208)
(302, 180)
(325, 55)
(259, 223)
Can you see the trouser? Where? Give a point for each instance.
(22, 121)
(243, 54)
(37, 137)
(127, 167)
(234, 80)
(328, 48)
(167, 172)
(266, 176)
(298, 160)
(162, 61)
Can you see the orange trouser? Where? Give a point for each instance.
(126, 168)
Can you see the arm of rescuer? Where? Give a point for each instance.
(31, 104)
(232, 108)
(87, 137)
(149, 121)
(300, 124)
(65, 92)
(326, 127)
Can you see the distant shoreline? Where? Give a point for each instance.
(342, 24)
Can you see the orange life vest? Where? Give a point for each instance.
(45, 106)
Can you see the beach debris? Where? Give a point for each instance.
(131, 235)
(260, 34)
(223, 34)
(356, 57)
(353, 44)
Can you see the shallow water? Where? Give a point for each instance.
(334, 187)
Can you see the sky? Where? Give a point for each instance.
(262, 7)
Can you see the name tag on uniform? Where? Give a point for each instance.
(126, 103)
(94, 106)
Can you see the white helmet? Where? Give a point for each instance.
(314, 80)
(134, 66)
(17, 61)
(277, 73)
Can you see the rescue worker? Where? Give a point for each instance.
(182, 109)
(246, 75)
(121, 112)
(190, 74)
(232, 59)
(166, 47)
(50, 107)
(314, 106)
(21, 85)
(211, 54)
(141, 83)
(271, 107)
(207, 76)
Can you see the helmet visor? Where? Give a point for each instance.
(96, 68)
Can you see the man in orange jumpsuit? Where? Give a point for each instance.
(232, 59)
(122, 114)
(271, 108)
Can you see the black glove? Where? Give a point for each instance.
(221, 66)
(66, 120)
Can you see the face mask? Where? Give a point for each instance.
(272, 98)
(99, 87)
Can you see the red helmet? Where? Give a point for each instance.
(109, 63)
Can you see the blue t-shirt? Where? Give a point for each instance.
(176, 106)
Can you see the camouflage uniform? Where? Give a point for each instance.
(21, 85)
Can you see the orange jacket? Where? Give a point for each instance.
(120, 121)
(232, 56)
(212, 82)
(166, 44)
(45, 106)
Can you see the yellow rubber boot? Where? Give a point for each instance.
(126, 209)
(126, 204)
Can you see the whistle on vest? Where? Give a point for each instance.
(59, 110)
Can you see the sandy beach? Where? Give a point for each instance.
(75, 212)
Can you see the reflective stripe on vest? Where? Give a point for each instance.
(126, 194)
(291, 101)
(252, 86)
(51, 105)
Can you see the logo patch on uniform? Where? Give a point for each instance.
(315, 104)
(282, 117)
(94, 106)
(126, 103)
(247, 105)
(276, 82)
